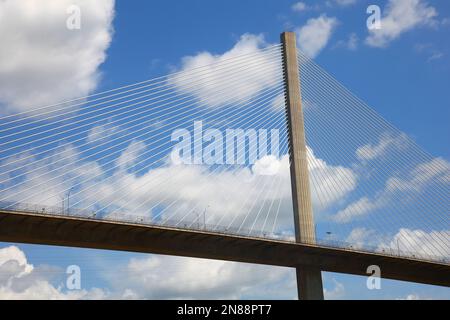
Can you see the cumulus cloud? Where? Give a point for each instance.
(401, 16)
(416, 296)
(46, 180)
(184, 191)
(351, 43)
(180, 189)
(412, 296)
(237, 82)
(430, 50)
(15, 254)
(42, 62)
(299, 6)
(152, 277)
(436, 170)
(385, 144)
(325, 177)
(361, 237)
(166, 277)
(100, 133)
(130, 154)
(245, 197)
(354, 210)
(338, 292)
(402, 185)
(315, 34)
(21, 280)
(428, 244)
(345, 2)
(420, 243)
(279, 102)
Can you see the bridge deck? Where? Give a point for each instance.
(27, 227)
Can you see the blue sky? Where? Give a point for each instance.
(405, 81)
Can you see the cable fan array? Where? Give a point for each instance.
(112, 155)
(373, 186)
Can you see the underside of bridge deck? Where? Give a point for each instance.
(23, 227)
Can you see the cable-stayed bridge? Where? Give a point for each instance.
(258, 157)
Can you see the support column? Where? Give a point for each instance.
(309, 280)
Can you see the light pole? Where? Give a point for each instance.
(68, 200)
(197, 219)
(204, 217)
(62, 204)
(329, 237)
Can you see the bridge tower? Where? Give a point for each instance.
(309, 280)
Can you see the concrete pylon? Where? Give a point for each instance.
(309, 280)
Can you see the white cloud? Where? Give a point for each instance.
(315, 34)
(420, 243)
(299, 6)
(279, 102)
(412, 297)
(338, 292)
(13, 253)
(130, 155)
(401, 16)
(345, 2)
(360, 237)
(41, 61)
(152, 277)
(430, 244)
(186, 190)
(268, 165)
(436, 170)
(46, 180)
(351, 43)
(435, 56)
(356, 209)
(429, 50)
(226, 193)
(21, 280)
(167, 277)
(231, 197)
(324, 177)
(100, 133)
(236, 83)
(385, 144)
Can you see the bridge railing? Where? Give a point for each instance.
(197, 226)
